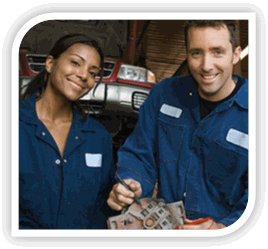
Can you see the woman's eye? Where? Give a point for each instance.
(75, 63)
(93, 74)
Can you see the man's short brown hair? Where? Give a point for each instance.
(230, 24)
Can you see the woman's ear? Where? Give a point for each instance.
(49, 63)
(237, 54)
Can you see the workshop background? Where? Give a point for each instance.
(157, 45)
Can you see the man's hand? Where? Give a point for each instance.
(209, 224)
(120, 197)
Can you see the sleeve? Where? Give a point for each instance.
(240, 207)
(27, 219)
(136, 158)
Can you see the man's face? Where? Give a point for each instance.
(210, 59)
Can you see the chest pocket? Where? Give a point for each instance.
(225, 167)
(85, 169)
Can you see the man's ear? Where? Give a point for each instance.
(237, 54)
(49, 63)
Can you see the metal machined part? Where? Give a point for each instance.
(153, 214)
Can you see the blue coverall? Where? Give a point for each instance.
(203, 162)
(68, 192)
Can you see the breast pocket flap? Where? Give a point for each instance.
(93, 160)
(171, 111)
(238, 138)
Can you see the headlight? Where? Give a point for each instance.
(128, 72)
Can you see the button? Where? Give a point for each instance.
(57, 161)
(65, 160)
(43, 133)
(190, 93)
(184, 194)
(76, 137)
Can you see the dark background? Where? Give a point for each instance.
(157, 44)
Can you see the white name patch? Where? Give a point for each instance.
(238, 138)
(171, 111)
(93, 160)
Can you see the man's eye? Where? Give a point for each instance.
(195, 54)
(219, 52)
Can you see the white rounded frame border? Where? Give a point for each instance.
(250, 16)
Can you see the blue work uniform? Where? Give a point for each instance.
(203, 162)
(68, 192)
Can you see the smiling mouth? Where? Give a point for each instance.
(77, 86)
(209, 77)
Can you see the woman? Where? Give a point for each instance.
(65, 158)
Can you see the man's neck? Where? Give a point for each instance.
(222, 93)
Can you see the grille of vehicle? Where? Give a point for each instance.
(37, 63)
(137, 99)
(108, 68)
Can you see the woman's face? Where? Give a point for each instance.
(73, 73)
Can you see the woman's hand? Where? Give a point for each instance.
(120, 197)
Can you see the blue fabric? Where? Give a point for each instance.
(68, 192)
(190, 157)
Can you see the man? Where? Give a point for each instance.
(192, 134)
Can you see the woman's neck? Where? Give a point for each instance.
(53, 107)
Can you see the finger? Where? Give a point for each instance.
(133, 185)
(187, 220)
(121, 195)
(117, 202)
(195, 222)
(119, 189)
(113, 205)
(204, 225)
(137, 192)
(189, 227)
(124, 200)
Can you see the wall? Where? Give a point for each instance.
(164, 47)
